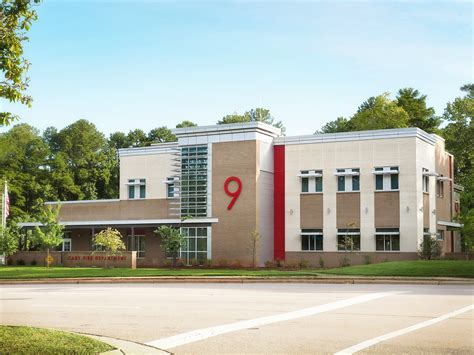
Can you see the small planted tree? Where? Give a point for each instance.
(50, 233)
(171, 240)
(254, 246)
(111, 242)
(430, 248)
(9, 240)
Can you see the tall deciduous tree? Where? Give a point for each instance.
(185, 124)
(160, 135)
(23, 158)
(381, 114)
(16, 17)
(419, 115)
(341, 124)
(254, 115)
(172, 240)
(459, 138)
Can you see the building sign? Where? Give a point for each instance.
(234, 194)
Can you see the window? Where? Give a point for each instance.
(386, 178)
(311, 180)
(136, 187)
(426, 232)
(348, 179)
(66, 245)
(136, 243)
(311, 239)
(170, 187)
(196, 244)
(304, 185)
(426, 180)
(387, 239)
(193, 189)
(440, 188)
(348, 239)
(440, 234)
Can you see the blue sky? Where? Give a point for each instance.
(143, 64)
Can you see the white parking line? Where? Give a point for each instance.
(370, 342)
(201, 334)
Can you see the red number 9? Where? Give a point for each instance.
(234, 194)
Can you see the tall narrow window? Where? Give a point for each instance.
(341, 183)
(386, 178)
(142, 188)
(131, 191)
(304, 185)
(426, 180)
(170, 187)
(355, 183)
(394, 181)
(136, 188)
(379, 182)
(319, 184)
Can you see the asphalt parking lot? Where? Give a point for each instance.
(255, 318)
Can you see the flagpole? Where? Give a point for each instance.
(3, 204)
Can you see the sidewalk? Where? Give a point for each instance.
(249, 279)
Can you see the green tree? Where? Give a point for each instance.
(16, 17)
(137, 138)
(430, 248)
(341, 124)
(9, 239)
(110, 240)
(160, 135)
(185, 124)
(255, 246)
(172, 241)
(50, 233)
(118, 140)
(419, 115)
(383, 113)
(23, 159)
(254, 115)
(85, 157)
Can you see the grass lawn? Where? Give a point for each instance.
(28, 340)
(447, 268)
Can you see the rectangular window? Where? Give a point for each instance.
(348, 239)
(304, 184)
(196, 244)
(379, 182)
(425, 181)
(311, 242)
(440, 188)
(136, 243)
(387, 239)
(341, 183)
(136, 187)
(386, 178)
(193, 181)
(319, 184)
(355, 183)
(394, 181)
(170, 188)
(440, 234)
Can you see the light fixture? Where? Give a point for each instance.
(434, 211)
(367, 210)
(329, 210)
(408, 208)
(291, 211)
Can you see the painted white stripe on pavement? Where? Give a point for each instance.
(197, 335)
(370, 342)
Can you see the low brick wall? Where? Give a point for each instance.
(337, 259)
(126, 259)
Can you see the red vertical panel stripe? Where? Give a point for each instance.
(279, 202)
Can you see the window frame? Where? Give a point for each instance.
(135, 242)
(388, 176)
(348, 179)
(311, 181)
(136, 187)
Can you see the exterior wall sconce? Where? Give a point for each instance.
(434, 211)
(329, 210)
(291, 211)
(421, 209)
(367, 210)
(408, 208)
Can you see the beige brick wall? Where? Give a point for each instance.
(311, 211)
(348, 209)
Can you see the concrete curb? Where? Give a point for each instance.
(241, 279)
(126, 346)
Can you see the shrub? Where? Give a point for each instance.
(279, 263)
(293, 265)
(20, 262)
(180, 262)
(303, 264)
(194, 262)
(430, 248)
(367, 259)
(222, 262)
(207, 262)
(33, 262)
(270, 264)
(167, 263)
(343, 262)
(237, 263)
(321, 262)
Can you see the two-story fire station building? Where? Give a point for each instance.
(313, 197)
